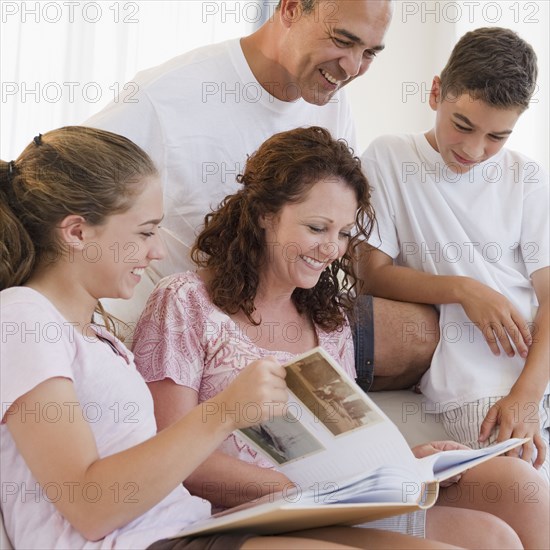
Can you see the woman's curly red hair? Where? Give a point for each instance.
(232, 244)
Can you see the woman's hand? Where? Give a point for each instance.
(427, 449)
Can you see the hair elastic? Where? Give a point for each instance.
(38, 140)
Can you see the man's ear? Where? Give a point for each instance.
(73, 231)
(290, 12)
(435, 93)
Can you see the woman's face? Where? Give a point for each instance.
(306, 237)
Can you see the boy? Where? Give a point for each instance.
(463, 224)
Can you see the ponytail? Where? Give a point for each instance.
(17, 252)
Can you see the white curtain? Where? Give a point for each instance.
(62, 61)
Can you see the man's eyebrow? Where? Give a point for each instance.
(357, 40)
(467, 121)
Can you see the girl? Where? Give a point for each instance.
(269, 284)
(81, 463)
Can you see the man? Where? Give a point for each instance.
(200, 114)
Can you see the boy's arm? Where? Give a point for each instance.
(518, 413)
(492, 313)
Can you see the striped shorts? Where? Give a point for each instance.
(463, 424)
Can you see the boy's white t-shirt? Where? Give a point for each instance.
(491, 224)
(39, 344)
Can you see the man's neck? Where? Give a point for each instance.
(262, 53)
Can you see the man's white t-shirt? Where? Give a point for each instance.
(199, 116)
(491, 224)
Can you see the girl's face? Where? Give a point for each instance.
(305, 237)
(125, 244)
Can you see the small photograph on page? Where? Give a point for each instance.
(336, 403)
(284, 438)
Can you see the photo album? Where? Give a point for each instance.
(348, 462)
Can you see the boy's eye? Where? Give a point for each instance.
(370, 54)
(462, 128)
(496, 138)
(147, 234)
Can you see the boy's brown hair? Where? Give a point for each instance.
(492, 64)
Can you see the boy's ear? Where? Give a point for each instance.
(290, 11)
(435, 93)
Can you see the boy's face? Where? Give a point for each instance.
(328, 48)
(468, 131)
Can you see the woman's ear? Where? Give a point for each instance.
(264, 220)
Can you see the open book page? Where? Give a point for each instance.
(332, 438)
(331, 430)
(444, 465)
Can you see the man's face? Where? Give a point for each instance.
(332, 45)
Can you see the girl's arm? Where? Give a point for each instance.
(222, 479)
(64, 452)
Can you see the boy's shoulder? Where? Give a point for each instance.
(516, 167)
(393, 145)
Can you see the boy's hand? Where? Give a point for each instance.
(516, 417)
(256, 395)
(496, 317)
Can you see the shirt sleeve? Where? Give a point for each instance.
(169, 337)
(384, 233)
(35, 347)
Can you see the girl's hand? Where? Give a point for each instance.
(256, 395)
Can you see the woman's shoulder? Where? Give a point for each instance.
(183, 294)
(185, 286)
